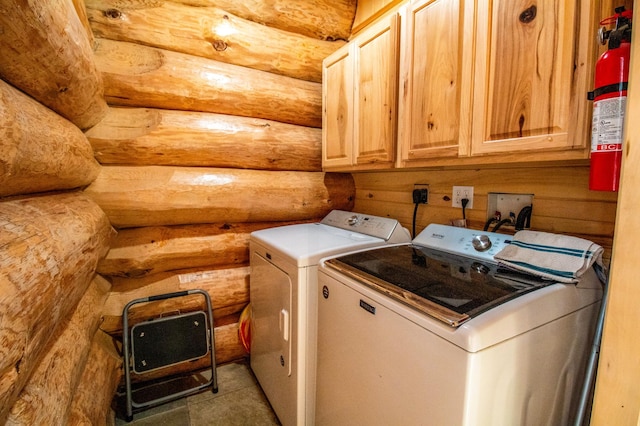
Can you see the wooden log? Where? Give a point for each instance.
(143, 136)
(46, 54)
(136, 75)
(211, 33)
(138, 252)
(39, 150)
(102, 373)
(81, 11)
(49, 249)
(227, 288)
(324, 19)
(47, 396)
(153, 195)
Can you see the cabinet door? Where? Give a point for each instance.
(375, 93)
(337, 117)
(435, 79)
(524, 80)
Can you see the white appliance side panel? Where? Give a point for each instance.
(272, 336)
(534, 378)
(308, 342)
(380, 368)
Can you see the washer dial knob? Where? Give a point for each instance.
(481, 242)
(353, 220)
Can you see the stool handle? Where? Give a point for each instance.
(168, 295)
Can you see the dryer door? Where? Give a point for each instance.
(271, 324)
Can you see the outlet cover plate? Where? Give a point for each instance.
(460, 192)
(507, 203)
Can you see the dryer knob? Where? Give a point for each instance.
(481, 243)
(353, 220)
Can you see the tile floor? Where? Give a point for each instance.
(239, 401)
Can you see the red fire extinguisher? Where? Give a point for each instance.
(609, 96)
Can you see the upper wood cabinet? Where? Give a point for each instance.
(359, 95)
(435, 80)
(478, 82)
(530, 76)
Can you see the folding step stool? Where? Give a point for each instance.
(167, 341)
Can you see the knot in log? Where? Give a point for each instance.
(219, 45)
(528, 15)
(112, 13)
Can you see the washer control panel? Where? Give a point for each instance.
(468, 242)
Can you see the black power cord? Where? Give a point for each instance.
(500, 223)
(524, 218)
(420, 196)
(464, 202)
(511, 220)
(488, 223)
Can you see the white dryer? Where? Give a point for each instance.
(283, 293)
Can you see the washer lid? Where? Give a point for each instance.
(307, 243)
(450, 288)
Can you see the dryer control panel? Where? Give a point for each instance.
(375, 226)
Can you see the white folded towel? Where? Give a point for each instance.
(556, 257)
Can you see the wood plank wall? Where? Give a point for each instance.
(562, 200)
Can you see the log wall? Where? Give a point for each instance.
(209, 136)
(213, 33)
(39, 150)
(49, 248)
(48, 395)
(46, 53)
(51, 235)
(220, 131)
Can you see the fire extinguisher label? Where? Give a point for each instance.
(607, 124)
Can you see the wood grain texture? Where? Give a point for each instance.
(49, 249)
(617, 390)
(562, 202)
(435, 80)
(144, 136)
(154, 195)
(530, 76)
(39, 150)
(138, 252)
(213, 33)
(48, 395)
(46, 53)
(370, 10)
(81, 11)
(323, 19)
(100, 378)
(360, 100)
(136, 75)
(228, 289)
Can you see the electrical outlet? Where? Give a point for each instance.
(460, 192)
(420, 193)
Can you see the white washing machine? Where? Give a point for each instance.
(283, 294)
(436, 333)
